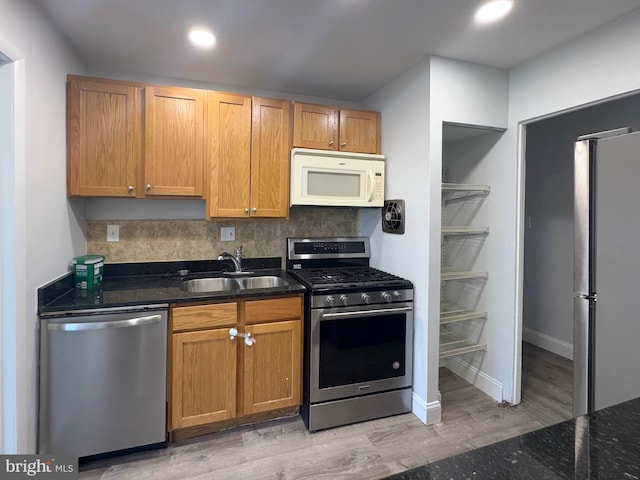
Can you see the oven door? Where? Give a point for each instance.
(360, 350)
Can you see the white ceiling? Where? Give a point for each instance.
(341, 49)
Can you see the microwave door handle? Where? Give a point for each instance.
(370, 189)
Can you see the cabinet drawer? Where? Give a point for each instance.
(204, 316)
(258, 311)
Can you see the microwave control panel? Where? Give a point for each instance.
(378, 188)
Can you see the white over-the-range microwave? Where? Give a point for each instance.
(339, 179)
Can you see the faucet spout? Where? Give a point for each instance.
(237, 260)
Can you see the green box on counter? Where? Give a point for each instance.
(87, 271)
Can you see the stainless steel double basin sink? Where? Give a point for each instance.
(227, 284)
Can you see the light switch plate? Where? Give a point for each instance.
(113, 233)
(227, 234)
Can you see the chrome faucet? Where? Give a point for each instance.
(237, 260)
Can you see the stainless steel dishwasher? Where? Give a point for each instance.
(103, 380)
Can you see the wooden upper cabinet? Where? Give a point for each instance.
(228, 154)
(174, 141)
(270, 147)
(330, 128)
(248, 144)
(359, 131)
(315, 126)
(104, 137)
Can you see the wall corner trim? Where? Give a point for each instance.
(427, 413)
(476, 377)
(546, 342)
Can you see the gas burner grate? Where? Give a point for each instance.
(317, 277)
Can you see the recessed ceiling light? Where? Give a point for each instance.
(202, 38)
(493, 10)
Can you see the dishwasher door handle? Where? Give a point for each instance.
(129, 322)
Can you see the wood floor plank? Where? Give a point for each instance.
(283, 449)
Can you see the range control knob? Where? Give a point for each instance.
(345, 300)
(366, 298)
(386, 296)
(397, 295)
(330, 301)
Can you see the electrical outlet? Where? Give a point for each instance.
(113, 233)
(227, 234)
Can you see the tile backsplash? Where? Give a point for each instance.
(165, 240)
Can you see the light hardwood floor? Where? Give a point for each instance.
(283, 449)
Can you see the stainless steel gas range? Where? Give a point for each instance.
(358, 335)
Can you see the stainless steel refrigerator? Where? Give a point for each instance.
(606, 347)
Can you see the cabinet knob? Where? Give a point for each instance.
(246, 210)
(148, 187)
(343, 144)
(331, 143)
(255, 209)
(130, 189)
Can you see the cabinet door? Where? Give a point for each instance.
(270, 146)
(273, 309)
(272, 367)
(104, 137)
(228, 154)
(315, 126)
(203, 386)
(359, 131)
(200, 317)
(174, 141)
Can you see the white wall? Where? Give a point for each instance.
(413, 108)
(548, 247)
(475, 95)
(47, 232)
(404, 104)
(7, 248)
(595, 66)
(599, 65)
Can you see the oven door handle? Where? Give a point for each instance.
(361, 313)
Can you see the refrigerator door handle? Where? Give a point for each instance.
(584, 296)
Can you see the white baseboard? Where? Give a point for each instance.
(428, 413)
(471, 374)
(554, 345)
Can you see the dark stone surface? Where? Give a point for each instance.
(605, 443)
(129, 284)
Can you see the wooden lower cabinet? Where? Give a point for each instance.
(272, 376)
(215, 377)
(203, 377)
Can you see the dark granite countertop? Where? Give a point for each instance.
(598, 446)
(140, 284)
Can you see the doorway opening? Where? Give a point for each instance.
(547, 306)
(466, 298)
